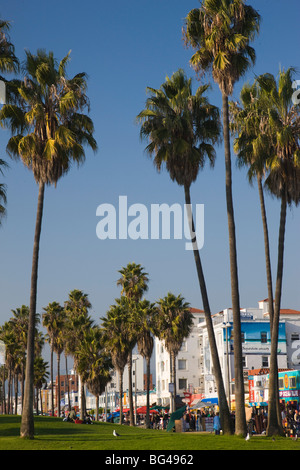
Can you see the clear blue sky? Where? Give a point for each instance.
(125, 47)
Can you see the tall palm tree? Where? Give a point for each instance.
(53, 320)
(134, 283)
(174, 322)
(49, 132)
(94, 364)
(283, 182)
(119, 338)
(146, 328)
(221, 31)
(40, 379)
(250, 122)
(20, 320)
(182, 129)
(78, 322)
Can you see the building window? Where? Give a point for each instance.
(182, 364)
(243, 336)
(295, 337)
(263, 337)
(265, 361)
(244, 361)
(183, 346)
(292, 382)
(182, 384)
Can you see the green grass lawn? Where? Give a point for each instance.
(54, 434)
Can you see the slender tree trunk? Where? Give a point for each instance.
(121, 395)
(82, 404)
(52, 379)
(274, 427)
(223, 405)
(269, 276)
(240, 415)
(130, 388)
(22, 384)
(97, 408)
(58, 385)
(27, 424)
(16, 393)
(68, 384)
(148, 359)
(174, 379)
(172, 409)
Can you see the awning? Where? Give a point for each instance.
(211, 401)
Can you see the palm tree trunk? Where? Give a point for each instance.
(223, 405)
(121, 395)
(240, 416)
(58, 385)
(16, 387)
(269, 276)
(82, 404)
(52, 379)
(130, 388)
(174, 380)
(68, 383)
(27, 424)
(97, 408)
(274, 427)
(148, 359)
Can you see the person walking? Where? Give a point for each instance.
(217, 424)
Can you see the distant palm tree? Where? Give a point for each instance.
(49, 132)
(182, 129)
(146, 329)
(283, 181)
(221, 31)
(94, 364)
(174, 322)
(119, 338)
(40, 379)
(53, 320)
(134, 283)
(78, 322)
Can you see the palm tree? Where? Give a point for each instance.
(134, 282)
(174, 322)
(78, 322)
(20, 320)
(8, 61)
(283, 182)
(94, 364)
(8, 64)
(182, 129)
(53, 320)
(221, 32)
(49, 132)
(253, 146)
(119, 338)
(145, 327)
(40, 379)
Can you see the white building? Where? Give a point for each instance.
(256, 344)
(188, 366)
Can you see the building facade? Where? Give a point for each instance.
(256, 345)
(188, 367)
